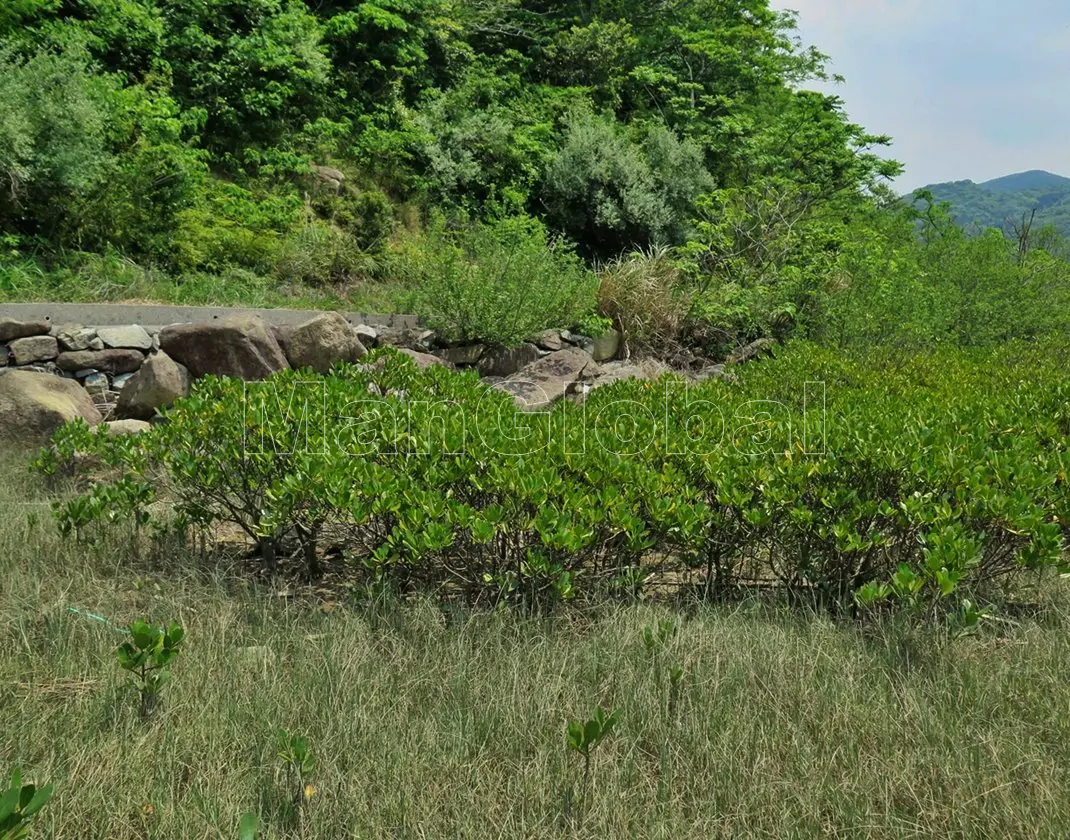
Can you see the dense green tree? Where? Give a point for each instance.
(258, 68)
(612, 187)
(54, 122)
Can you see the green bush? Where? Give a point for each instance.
(500, 282)
(148, 657)
(896, 282)
(364, 214)
(930, 479)
(18, 805)
(54, 115)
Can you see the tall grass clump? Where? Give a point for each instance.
(320, 254)
(644, 295)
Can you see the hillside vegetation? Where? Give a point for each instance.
(1006, 203)
(327, 153)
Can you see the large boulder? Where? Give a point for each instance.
(242, 346)
(543, 383)
(126, 338)
(111, 362)
(368, 336)
(38, 348)
(606, 346)
(424, 360)
(614, 372)
(282, 333)
(34, 405)
(505, 361)
(159, 383)
(10, 329)
(323, 341)
(464, 355)
(330, 177)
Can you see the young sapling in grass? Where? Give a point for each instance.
(18, 805)
(248, 827)
(583, 737)
(298, 762)
(148, 657)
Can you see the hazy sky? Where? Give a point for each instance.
(968, 88)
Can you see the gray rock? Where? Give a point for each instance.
(614, 372)
(118, 383)
(330, 177)
(111, 362)
(424, 360)
(41, 367)
(158, 384)
(550, 340)
(391, 337)
(10, 329)
(505, 361)
(73, 337)
(550, 378)
(241, 346)
(95, 383)
(464, 355)
(282, 333)
(38, 348)
(121, 428)
(584, 342)
(34, 405)
(421, 340)
(425, 340)
(761, 347)
(4, 353)
(714, 372)
(367, 335)
(126, 338)
(322, 342)
(606, 346)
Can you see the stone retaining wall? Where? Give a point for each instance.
(156, 363)
(122, 374)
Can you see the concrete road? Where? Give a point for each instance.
(153, 315)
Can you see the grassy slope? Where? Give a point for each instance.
(435, 724)
(114, 280)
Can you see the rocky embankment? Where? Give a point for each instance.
(122, 375)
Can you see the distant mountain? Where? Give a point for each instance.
(1002, 202)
